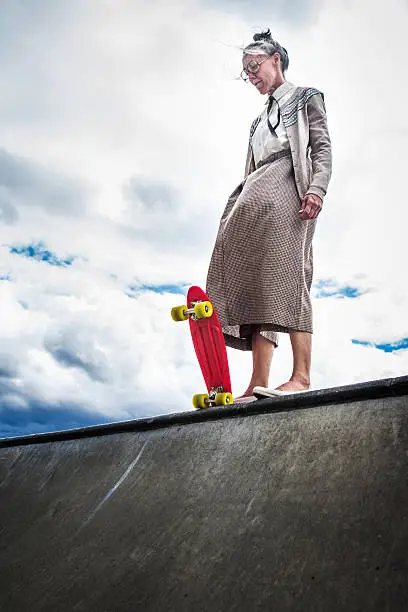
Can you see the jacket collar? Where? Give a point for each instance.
(281, 91)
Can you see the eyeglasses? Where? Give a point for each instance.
(253, 67)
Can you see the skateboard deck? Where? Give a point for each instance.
(209, 346)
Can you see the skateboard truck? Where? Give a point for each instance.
(216, 397)
(199, 310)
(212, 394)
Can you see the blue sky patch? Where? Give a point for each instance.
(330, 288)
(134, 290)
(40, 418)
(387, 347)
(40, 253)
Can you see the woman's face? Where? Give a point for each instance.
(268, 76)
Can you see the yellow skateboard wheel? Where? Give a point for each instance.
(223, 399)
(203, 310)
(200, 400)
(179, 313)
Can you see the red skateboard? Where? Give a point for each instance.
(209, 345)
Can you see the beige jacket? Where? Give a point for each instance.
(304, 117)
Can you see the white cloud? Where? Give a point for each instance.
(107, 98)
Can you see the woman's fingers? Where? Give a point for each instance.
(311, 207)
(306, 210)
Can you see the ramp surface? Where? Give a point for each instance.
(288, 504)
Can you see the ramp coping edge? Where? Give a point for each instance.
(376, 389)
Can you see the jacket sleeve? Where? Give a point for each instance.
(320, 146)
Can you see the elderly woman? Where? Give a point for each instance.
(261, 269)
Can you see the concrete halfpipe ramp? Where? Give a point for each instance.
(297, 503)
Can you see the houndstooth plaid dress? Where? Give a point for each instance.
(261, 267)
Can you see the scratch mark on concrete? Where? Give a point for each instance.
(249, 506)
(115, 486)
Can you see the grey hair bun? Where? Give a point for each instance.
(263, 36)
(266, 41)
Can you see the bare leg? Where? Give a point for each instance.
(262, 351)
(302, 355)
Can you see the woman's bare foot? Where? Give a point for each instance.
(295, 384)
(248, 393)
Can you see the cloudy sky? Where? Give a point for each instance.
(123, 130)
